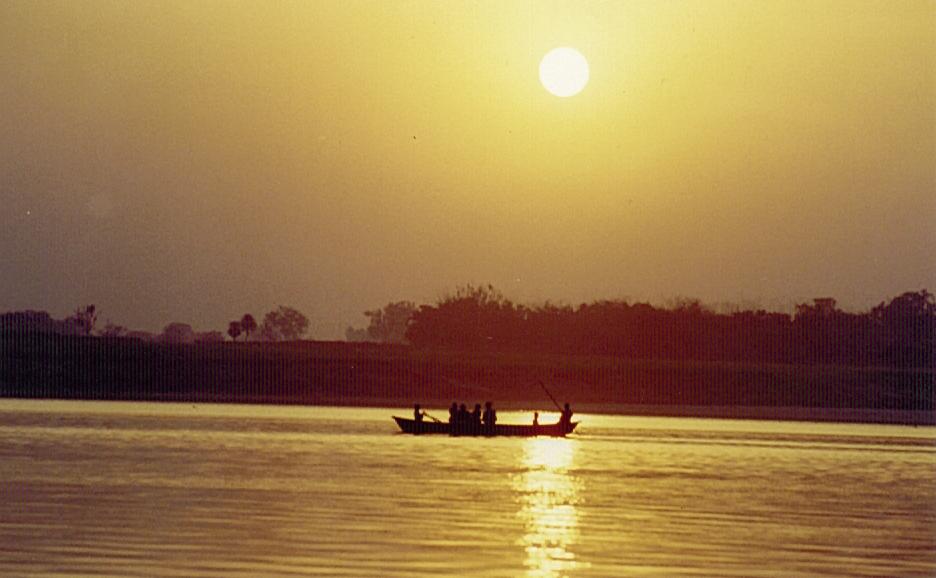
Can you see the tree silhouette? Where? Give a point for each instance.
(475, 317)
(177, 333)
(248, 324)
(30, 322)
(388, 325)
(284, 324)
(209, 337)
(234, 329)
(84, 319)
(908, 324)
(355, 335)
(113, 330)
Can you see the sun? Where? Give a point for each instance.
(564, 71)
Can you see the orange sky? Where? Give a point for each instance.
(191, 161)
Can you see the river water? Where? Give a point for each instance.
(137, 489)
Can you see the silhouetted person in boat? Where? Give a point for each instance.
(418, 414)
(535, 418)
(489, 418)
(463, 416)
(566, 419)
(476, 417)
(453, 413)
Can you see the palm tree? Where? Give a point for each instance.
(234, 329)
(248, 324)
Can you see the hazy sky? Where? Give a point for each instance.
(192, 161)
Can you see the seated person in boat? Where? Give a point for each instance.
(418, 414)
(476, 416)
(460, 419)
(490, 416)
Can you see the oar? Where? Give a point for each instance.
(432, 417)
(543, 385)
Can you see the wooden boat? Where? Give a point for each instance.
(411, 426)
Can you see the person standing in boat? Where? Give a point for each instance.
(490, 416)
(566, 419)
(453, 413)
(535, 418)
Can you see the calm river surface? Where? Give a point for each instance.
(92, 488)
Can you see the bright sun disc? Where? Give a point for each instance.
(564, 71)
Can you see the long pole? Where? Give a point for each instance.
(543, 385)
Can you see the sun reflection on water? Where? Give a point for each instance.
(548, 495)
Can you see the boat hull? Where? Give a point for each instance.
(411, 426)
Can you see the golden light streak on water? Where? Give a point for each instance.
(549, 494)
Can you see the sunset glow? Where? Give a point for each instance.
(240, 156)
(551, 288)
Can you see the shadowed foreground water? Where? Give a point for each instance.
(179, 490)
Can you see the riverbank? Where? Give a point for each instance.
(353, 374)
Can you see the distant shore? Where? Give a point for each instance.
(404, 407)
(47, 366)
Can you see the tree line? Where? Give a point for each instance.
(281, 324)
(898, 333)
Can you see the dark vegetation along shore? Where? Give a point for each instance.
(816, 365)
(335, 373)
